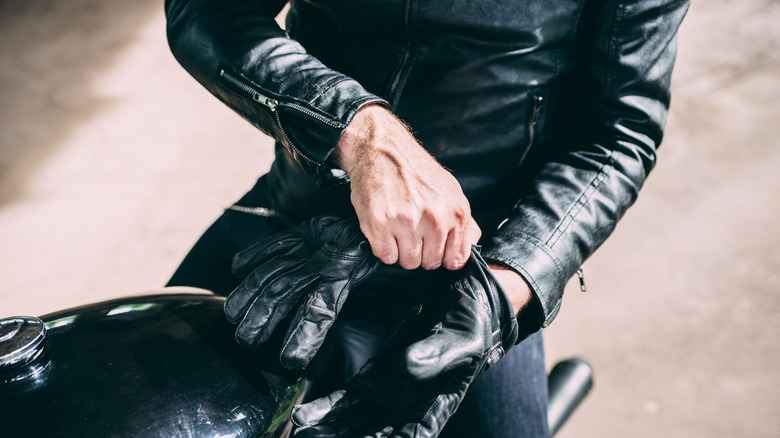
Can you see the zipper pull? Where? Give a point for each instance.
(264, 100)
(537, 106)
(581, 276)
(247, 88)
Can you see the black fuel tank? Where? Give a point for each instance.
(158, 365)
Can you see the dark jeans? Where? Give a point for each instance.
(507, 401)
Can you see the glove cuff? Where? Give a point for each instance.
(505, 320)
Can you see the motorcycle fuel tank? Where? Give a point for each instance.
(159, 365)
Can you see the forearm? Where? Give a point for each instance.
(615, 115)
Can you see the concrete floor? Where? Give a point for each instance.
(112, 161)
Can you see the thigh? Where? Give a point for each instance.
(509, 400)
(207, 265)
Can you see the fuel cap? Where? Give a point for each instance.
(22, 342)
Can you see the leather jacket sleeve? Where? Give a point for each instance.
(617, 103)
(235, 49)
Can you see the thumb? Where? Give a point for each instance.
(311, 413)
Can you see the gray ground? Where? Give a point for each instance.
(112, 161)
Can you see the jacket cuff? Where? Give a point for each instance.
(309, 127)
(324, 171)
(539, 266)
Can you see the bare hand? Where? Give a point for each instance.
(411, 210)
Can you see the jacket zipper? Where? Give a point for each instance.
(248, 89)
(534, 119)
(272, 104)
(532, 122)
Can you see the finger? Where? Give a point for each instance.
(453, 250)
(383, 244)
(433, 420)
(315, 411)
(409, 248)
(473, 234)
(433, 248)
(336, 415)
(458, 246)
(245, 293)
(341, 414)
(310, 325)
(249, 259)
(342, 232)
(384, 433)
(266, 312)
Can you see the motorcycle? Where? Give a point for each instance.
(165, 365)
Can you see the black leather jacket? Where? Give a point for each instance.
(548, 112)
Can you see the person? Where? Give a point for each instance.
(527, 127)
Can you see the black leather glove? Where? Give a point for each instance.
(308, 269)
(415, 384)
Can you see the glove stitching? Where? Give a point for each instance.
(253, 291)
(262, 293)
(268, 252)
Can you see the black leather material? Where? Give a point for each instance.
(305, 271)
(416, 382)
(548, 112)
(479, 325)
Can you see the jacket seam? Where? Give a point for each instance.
(612, 48)
(354, 106)
(548, 251)
(583, 199)
(327, 86)
(492, 254)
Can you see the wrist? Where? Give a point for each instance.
(360, 135)
(514, 285)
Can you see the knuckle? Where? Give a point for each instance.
(432, 264)
(476, 232)
(451, 266)
(435, 223)
(385, 254)
(410, 263)
(411, 258)
(456, 260)
(373, 226)
(406, 220)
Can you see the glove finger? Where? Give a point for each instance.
(336, 415)
(431, 423)
(268, 310)
(311, 323)
(346, 233)
(384, 433)
(339, 429)
(342, 413)
(316, 411)
(254, 284)
(459, 342)
(271, 248)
